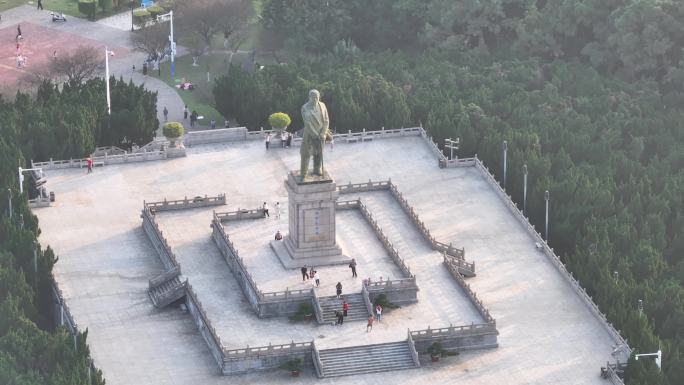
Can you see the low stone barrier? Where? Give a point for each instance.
(215, 136)
(391, 250)
(63, 317)
(479, 305)
(237, 361)
(184, 204)
(402, 291)
(235, 263)
(62, 312)
(466, 268)
(104, 160)
(555, 260)
(156, 236)
(457, 338)
(240, 214)
(205, 327)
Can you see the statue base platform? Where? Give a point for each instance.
(292, 259)
(311, 216)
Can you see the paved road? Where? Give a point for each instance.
(107, 34)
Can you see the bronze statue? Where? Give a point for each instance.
(316, 122)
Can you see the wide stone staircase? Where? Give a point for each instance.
(167, 287)
(365, 359)
(357, 308)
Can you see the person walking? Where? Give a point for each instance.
(338, 288)
(305, 274)
(166, 114)
(213, 124)
(345, 307)
(89, 163)
(19, 37)
(283, 139)
(378, 312)
(369, 325)
(332, 144)
(185, 112)
(277, 210)
(340, 318)
(317, 278)
(352, 266)
(268, 140)
(265, 208)
(40, 5)
(312, 272)
(288, 141)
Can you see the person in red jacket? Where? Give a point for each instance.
(345, 307)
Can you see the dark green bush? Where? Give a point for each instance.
(87, 8)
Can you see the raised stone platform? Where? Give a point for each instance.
(311, 240)
(547, 334)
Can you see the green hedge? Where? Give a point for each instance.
(154, 10)
(87, 8)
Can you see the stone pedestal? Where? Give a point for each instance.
(311, 240)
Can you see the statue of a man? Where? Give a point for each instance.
(316, 121)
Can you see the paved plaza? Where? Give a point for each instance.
(547, 335)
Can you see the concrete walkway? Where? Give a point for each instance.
(106, 34)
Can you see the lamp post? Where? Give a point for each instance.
(505, 154)
(451, 145)
(132, 5)
(524, 189)
(172, 44)
(9, 199)
(658, 357)
(109, 103)
(546, 215)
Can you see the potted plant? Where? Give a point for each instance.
(304, 313)
(436, 351)
(294, 366)
(279, 121)
(172, 131)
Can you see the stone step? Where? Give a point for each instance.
(365, 359)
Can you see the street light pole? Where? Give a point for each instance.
(546, 198)
(172, 44)
(109, 104)
(505, 152)
(132, 5)
(524, 189)
(658, 357)
(9, 199)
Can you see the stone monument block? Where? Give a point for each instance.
(311, 239)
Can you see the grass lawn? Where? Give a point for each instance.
(70, 7)
(201, 99)
(9, 4)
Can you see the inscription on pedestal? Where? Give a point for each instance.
(316, 225)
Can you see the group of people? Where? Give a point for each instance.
(285, 139)
(264, 209)
(22, 60)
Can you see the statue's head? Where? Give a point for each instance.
(314, 96)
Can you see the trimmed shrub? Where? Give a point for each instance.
(140, 17)
(173, 130)
(88, 8)
(279, 120)
(154, 10)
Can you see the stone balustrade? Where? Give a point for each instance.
(219, 135)
(479, 305)
(550, 254)
(156, 236)
(185, 203)
(457, 338)
(240, 214)
(414, 351)
(104, 160)
(206, 329)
